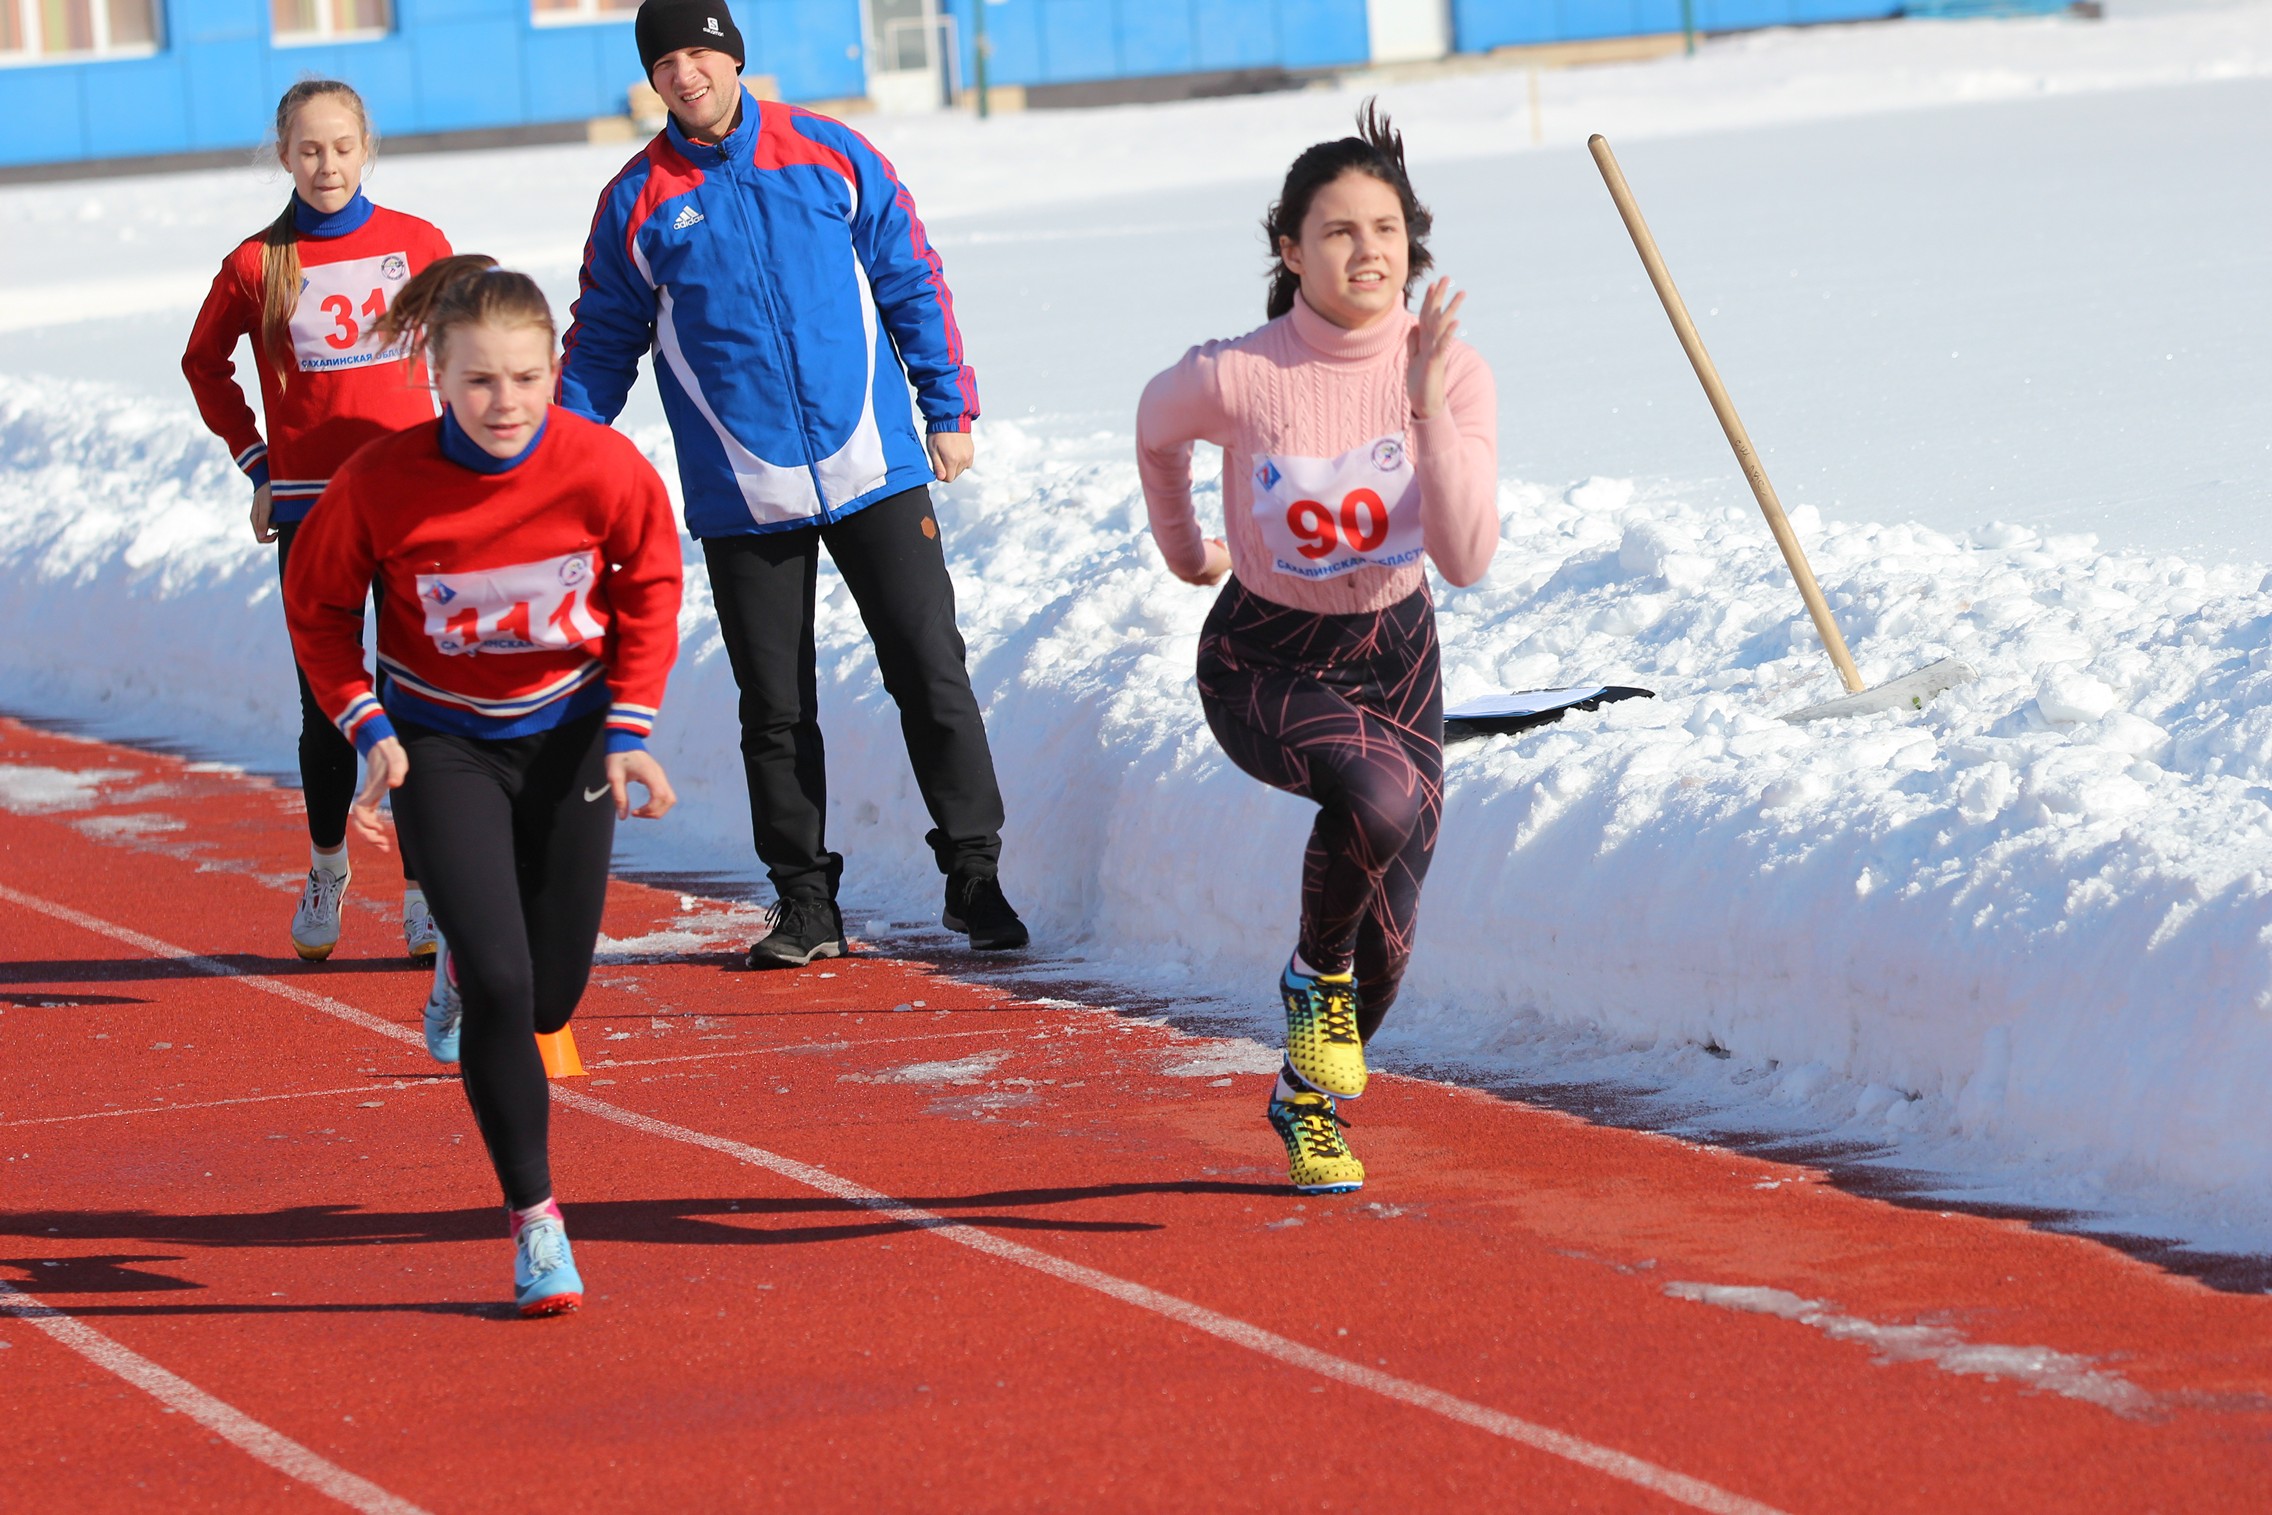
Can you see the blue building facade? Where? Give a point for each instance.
(88, 80)
(1481, 25)
(1040, 42)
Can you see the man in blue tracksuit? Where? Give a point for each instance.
(773, 263)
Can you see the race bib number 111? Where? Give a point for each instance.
(1324, 517)
(529, 607)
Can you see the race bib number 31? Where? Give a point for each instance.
(1324, 517)
(339, 304)
(529, 607)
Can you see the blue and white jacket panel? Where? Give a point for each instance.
(790, 296)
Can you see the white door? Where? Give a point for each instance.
(908, 63)
(1406, 31)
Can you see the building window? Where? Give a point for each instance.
(34, 31)
(301, 21)
(569, 12)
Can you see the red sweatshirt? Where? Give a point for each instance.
(515, 594)
(344, 390)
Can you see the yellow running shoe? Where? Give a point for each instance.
(1321, 1032)
(1318, 1161)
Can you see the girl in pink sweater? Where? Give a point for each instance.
(1357, 439)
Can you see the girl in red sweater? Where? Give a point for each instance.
(309, 290)
(528, 568)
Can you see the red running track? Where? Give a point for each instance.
(868, 1237)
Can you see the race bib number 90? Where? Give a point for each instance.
(529, 607)
(339, 304)
(1324, 517)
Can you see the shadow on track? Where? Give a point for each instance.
(120, 970)
(673, 1222)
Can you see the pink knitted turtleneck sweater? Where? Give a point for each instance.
(1304, 388)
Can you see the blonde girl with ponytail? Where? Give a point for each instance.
(528, 560)
(310, 290)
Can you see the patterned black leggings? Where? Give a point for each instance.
(1346, 710)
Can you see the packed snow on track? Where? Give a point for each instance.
(2020, 939)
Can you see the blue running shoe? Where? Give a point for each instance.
(545, 1280)
(444, 1008)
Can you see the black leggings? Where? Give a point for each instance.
(891, 558)
(327, 759)
(1346, 710)
(515, 836)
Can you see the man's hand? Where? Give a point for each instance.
(386, 766)
(1216, 564)
(951, 452)
(639, 767)
(263, 506)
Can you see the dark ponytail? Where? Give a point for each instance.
(1376, 150)
(464, 289)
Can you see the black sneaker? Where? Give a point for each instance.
(803, 930)
(975, 905)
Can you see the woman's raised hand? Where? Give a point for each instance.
(385, 767)
(1429, 349)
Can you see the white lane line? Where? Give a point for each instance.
(261, 1442)
(215, 1104)
(1680, 1487)
(839, 1044)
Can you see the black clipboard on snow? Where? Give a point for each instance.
(1504, 714)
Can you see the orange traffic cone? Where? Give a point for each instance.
(559, 1052)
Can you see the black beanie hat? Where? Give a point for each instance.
(665, 26)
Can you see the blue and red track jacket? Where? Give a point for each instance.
(782, 279)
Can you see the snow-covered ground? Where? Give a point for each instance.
(1977, 287)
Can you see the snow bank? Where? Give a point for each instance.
(2033, 919)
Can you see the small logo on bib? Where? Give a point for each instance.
(392, 267)
(1388, 454)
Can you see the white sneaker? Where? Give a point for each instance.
(419, 933)
(315, 925)
(445, 1008)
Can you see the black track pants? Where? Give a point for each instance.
(891, 559)
(515, 837)
(1346, 710)
(328, 766)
